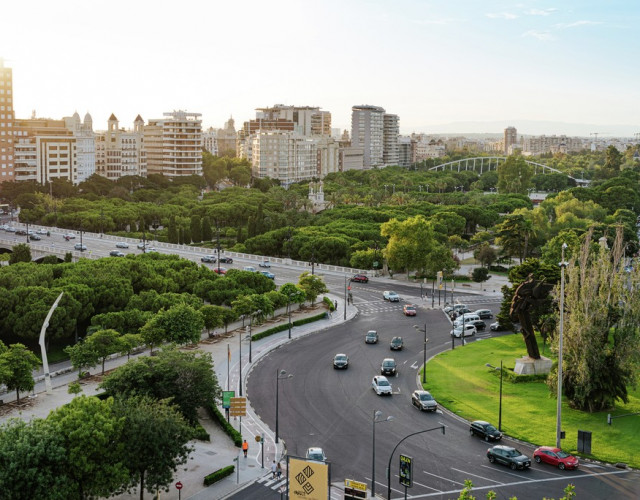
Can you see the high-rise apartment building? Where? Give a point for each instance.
(551, 144)
(406, 151)
(174, 144)
(6, 124)
(391, 132)
(85, 145)
(510, 139)
(121, 152)
(307, 120)
(367, 132)
(44, 150)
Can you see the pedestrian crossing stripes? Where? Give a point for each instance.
(274, 484)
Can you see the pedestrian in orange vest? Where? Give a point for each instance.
(245, 448)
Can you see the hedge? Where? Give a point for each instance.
(218, 475)
(200, 433)
(329, 303)
(226, 426)
(285, 326)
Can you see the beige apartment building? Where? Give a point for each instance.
(44, 150)
(121, 152)
(533, 146)
(367, 132)
(6, 124)
(174, 144)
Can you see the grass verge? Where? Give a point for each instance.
(461, 382)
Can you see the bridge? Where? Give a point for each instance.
(486, 163)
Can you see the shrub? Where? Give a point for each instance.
(200, 433)
(329, 303)
(226, 426)
(285, 326)
(218, 475)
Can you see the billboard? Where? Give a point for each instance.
(308, 480)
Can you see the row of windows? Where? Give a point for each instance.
(7, 99)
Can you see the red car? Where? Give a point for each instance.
(409, 310)
(555, 456)
(222, 270)
(360, 278)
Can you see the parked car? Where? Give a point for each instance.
(359, 278)
(250, 269)
(485, 430)
(466, 318)
(265, 263)
(268, 274)
(479, 324)
(495, 327)
(341, 361)
(122, 244)
(34, 237)
(423, 400)
(220, 270)
(462, 310)
(226, 260)
(468, 329)
(116, 253)
(388, 366)
(80, 246)
(390, 296)
(316, 454)
(208, 258)
(484, 313)
(409, 310)
(555, 456)
(371, 337)
(381, 385)
(454, 307)
(507, 455)
(396, 344)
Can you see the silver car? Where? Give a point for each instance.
(423, 400)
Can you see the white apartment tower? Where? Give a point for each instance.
(85, 145)
(390, 139)
(285, 156)
(210, 141)
(367, 132)
(174, 144)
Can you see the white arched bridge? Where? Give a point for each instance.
(483, 164)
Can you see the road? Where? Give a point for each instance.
(320, 406)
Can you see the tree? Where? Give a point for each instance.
(601, 351)
(514, 175)
(82, 355)
(613, 159)
(513, 235)
(104, 343)
(18, 363)
(312, 286)
(480, 274)
(485, 254)
(129, 342)
(213, 317)
(90, 433)
(155, 436)
(188, 378)
(20, 253)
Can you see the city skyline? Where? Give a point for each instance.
(434, 64)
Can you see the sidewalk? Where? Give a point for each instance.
(207, 457)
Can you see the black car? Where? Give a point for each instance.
(341, 361)
(226, 260)
(208, 258)
(485, 430)
(388, 366)
(21, 232)
(507, 455)
(116, 253)
(479, 324)
(34, 237)
(396, 344)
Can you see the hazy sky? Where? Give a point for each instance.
(429, 61)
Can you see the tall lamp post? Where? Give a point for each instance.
(376, 415)
(345, 298)
(424, 365)
(250, 335)
(489, 365)
(563, 264)
(280, 374)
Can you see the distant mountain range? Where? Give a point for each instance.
(530, 127)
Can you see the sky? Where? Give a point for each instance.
(437, 64)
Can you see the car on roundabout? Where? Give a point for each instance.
(390, 296)
(141, 245)
(556, 457)
(359, 278)
(371, 337)
(69, 236)
(468, 330)
(34, 237)
(450, 308)
(122, 244)
(424, 401)
(388, 367)
(340, 361)
(316, 454)
(509, 456)
(485, 430)
(409, 310)
(396, 344)
(380, 384)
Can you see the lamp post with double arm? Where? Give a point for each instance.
(376, 415)
(280, 374)
(489, 365)
(424, 365)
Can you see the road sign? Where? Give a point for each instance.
(406, 471)
(354, 490)
(258, 438)
(178, 485)
(226, 398)
(238, 407)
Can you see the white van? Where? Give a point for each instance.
(467, 318)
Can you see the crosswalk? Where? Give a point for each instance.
(274, 484)
(377, 306)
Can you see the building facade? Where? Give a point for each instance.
(6, 124)
(227, 137)
(85, 145)
(174, 144)
(210, 141)
(367, 132)
(391, 132)
(510, 140)
(533, 146)
(285, 156)
(121, 152)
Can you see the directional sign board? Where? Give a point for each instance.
(238, 407)
(406, 471)
(354, 490)
(226, 398)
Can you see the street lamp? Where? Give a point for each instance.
(250, 337)
(489, 365)
(376, 414)
(563, 264)
(345, 298)
(289, 312)
(424, 366)
(280, 374)
(394, 450)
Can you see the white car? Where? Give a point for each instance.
(468, 329)
(122, 244)
(316, 454)
(265, 263)
(381, 385)
(141, 245)
(41, 231)
(390, 296)
(249, 268)
(80, 246)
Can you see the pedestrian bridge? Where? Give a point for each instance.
(482, 164)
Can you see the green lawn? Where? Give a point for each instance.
(461, 382)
